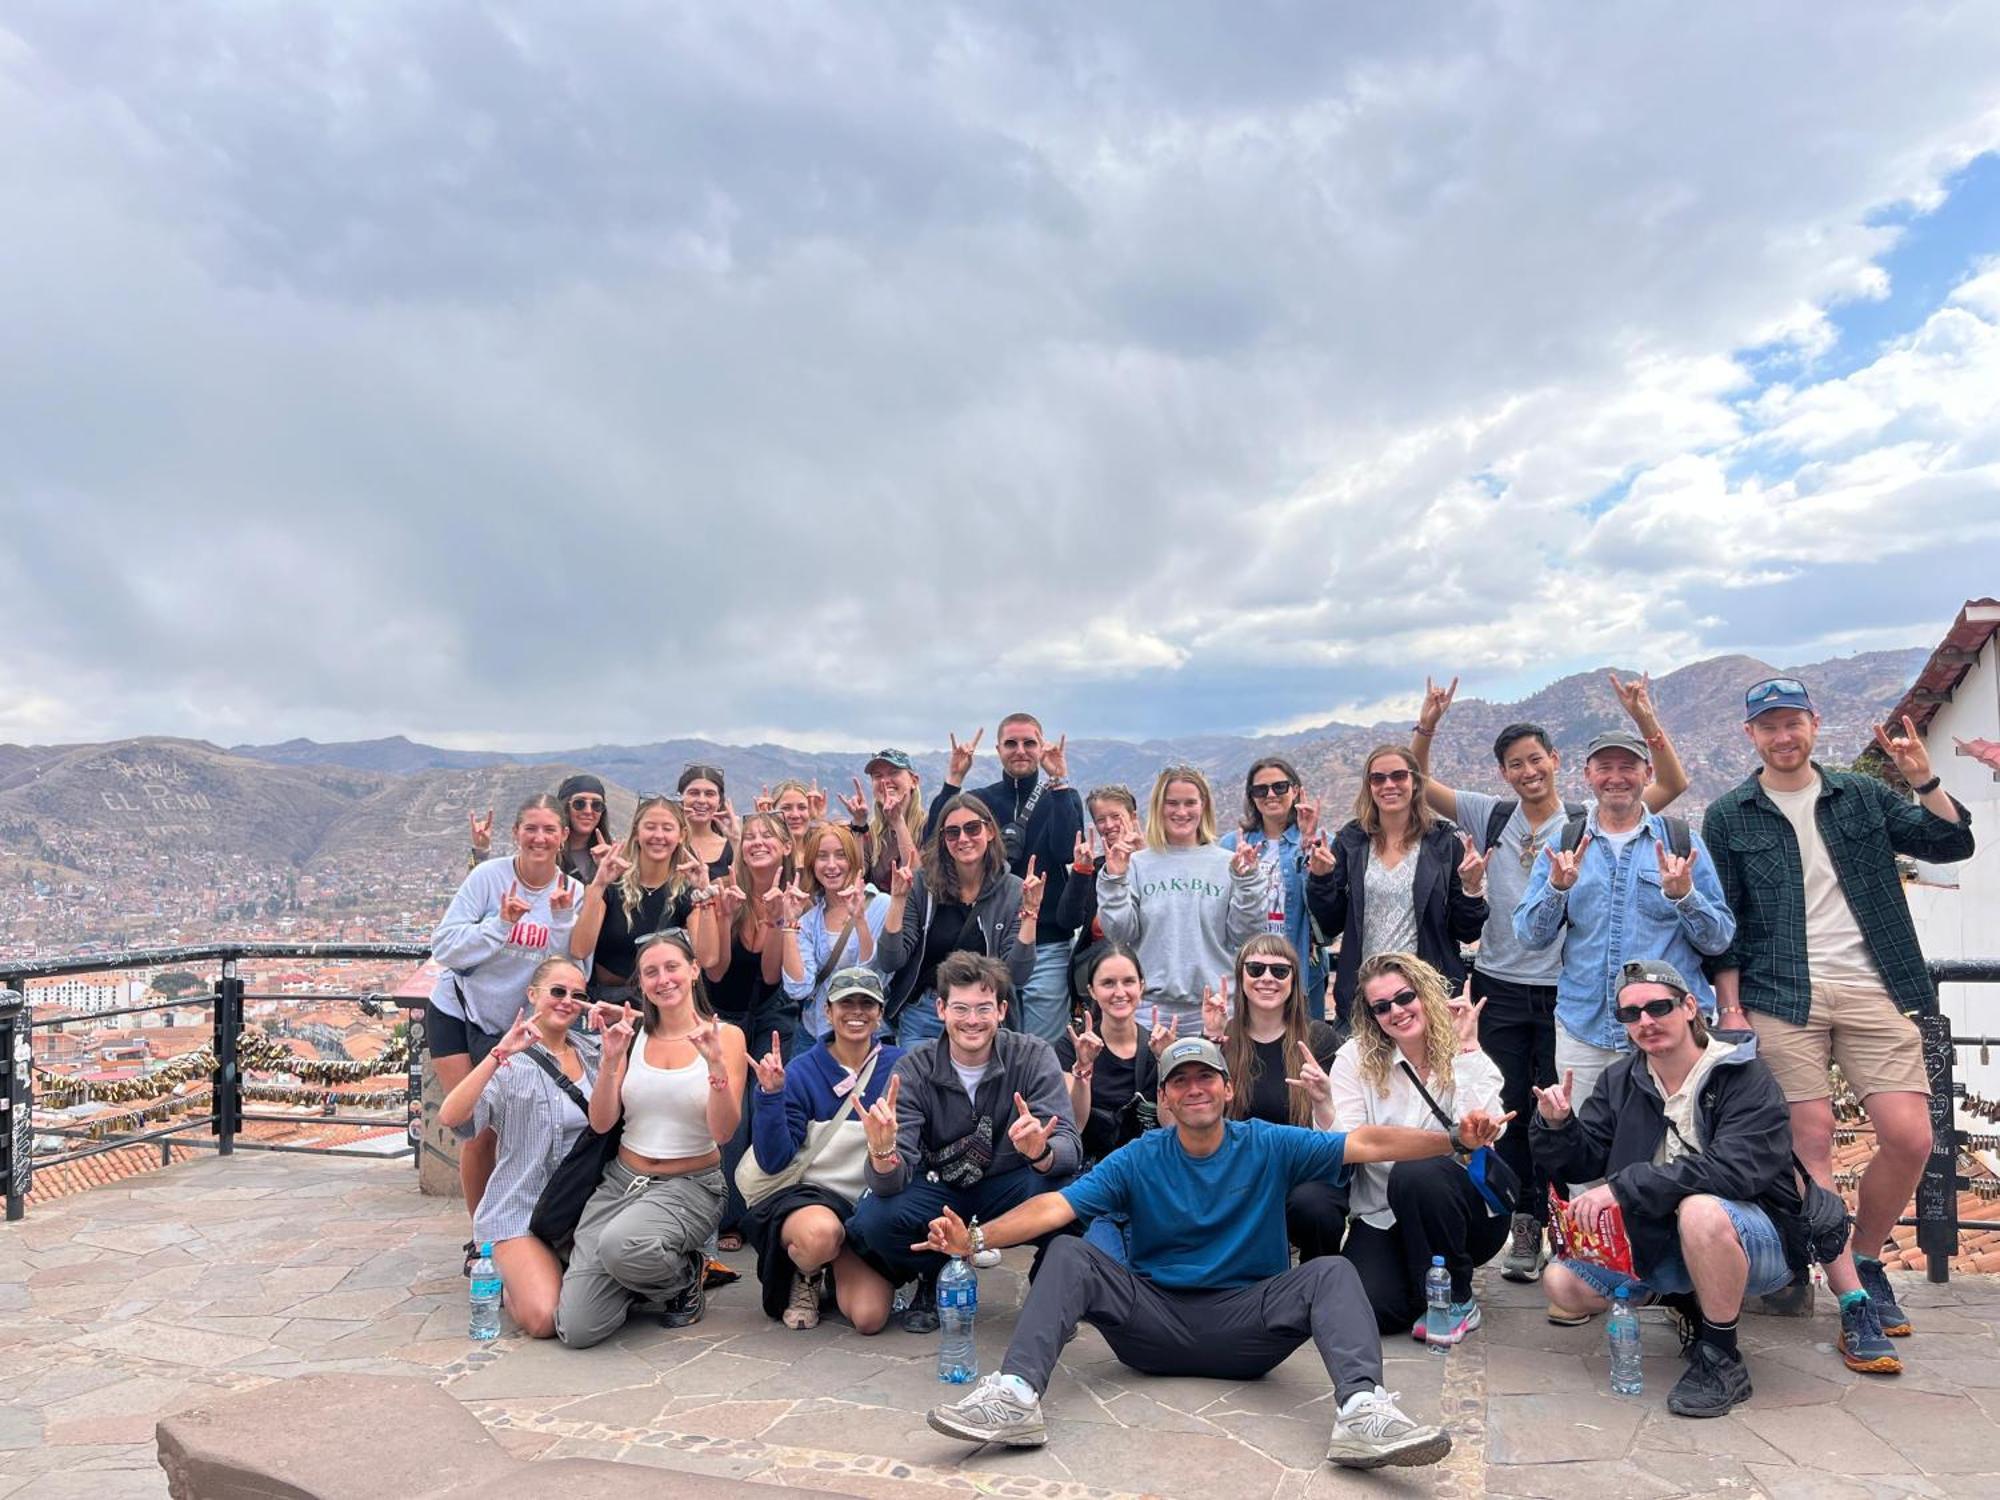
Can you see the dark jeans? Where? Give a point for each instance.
(1316, 1218)
(1518, 1031)
(1223, 1335)
(779, 1013)
(883, 1228)
(1438, 1212)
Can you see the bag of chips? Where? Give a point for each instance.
(1601, 1241)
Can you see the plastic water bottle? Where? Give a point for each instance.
(485, 1296)
(1437, 1307)
(1628, 1370)
(957, 1308)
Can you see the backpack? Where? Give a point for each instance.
(1496, 821)
(1679, 840)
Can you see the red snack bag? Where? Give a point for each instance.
(1601, 1242)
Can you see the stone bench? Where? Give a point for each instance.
(363, 1437)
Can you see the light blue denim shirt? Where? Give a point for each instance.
(1298, 921)
(816, 951)
(1617, 912)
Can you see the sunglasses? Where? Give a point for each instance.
(1270, 788)
(1657, 1009)
(1401, 997)
(1387, 778)
(1257, 968)
(1777, 687)
(953, 833)
(564, 992)
(586, 804)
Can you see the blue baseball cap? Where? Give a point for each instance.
(1776, 692)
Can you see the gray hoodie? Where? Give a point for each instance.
(1186, 914)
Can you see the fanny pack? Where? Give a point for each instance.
(1497, 1184)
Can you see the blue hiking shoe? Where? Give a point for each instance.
(1863, 1346)
(1875, 1282)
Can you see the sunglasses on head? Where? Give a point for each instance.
(1270, 788)
(953, 833)
(1388, 778)
(1257, 968)
(1777, 687)
(1401, 997)
(675, 935)
(1657, 1009)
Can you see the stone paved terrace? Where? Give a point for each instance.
(128, 1302)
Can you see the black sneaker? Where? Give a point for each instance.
(687, 1307)
(471, 1254)
(1875, 1282)
(921, 1315)
(1714, 1383)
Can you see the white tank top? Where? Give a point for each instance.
(666, 1109)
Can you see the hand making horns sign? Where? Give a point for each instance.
(962, 756)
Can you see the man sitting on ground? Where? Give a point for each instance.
(1692, 1136)
(1208, 1290)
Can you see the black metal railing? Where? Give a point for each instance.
(225, 1115)
(1937, 1222)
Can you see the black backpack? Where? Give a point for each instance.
(1496, 821)
(1679, 840)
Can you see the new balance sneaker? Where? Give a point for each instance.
(1464, 1317)
(1525, 1253)
(1713, 1383)
(1371, 1432)
(1000, 1409)
(691, 1302)
(1863, 1345)
(802, 1311)
(1875, 1282)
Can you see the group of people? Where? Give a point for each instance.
(866, 1038)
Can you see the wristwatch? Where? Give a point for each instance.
(1458, 1147)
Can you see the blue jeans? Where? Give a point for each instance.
(918, 1021)
(883, 1229)
(1754, 1231)
(1044, 998)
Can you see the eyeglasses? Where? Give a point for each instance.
(954, 833)
(972, 1012)
(1270, 788)
(587, 804)
(1257, 968)
(1401, 997)
(1388, 778)
(1665, 1006)
(1777, 687)
(564, 992)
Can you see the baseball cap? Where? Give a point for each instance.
(1192, 1049)
(1619, 739)
(856, 979)
(1651, 971)
(895, 760)
(1775, 692)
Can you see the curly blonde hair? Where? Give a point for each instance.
(1374, 1050)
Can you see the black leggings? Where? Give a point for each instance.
(1438, 1212)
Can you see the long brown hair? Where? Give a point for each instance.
(1241, 1053)
(649, 1013)
(1422, 819)
(940, 870)
(1375, 1051)
(1253, 817)
(753, 899)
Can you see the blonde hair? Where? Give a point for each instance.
(1375, 1052)
(912, 816)
(630, 891)
(1156, 823)
(753, 904)
(1240, 1052)
(1422, 819)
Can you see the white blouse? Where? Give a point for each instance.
(1475, 1085)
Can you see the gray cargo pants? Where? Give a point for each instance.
(636, 1242)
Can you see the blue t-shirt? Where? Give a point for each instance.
(1213, 1222)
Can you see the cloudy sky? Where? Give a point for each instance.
(537, 375)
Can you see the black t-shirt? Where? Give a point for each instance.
(1113, 1082)
(949, 931)
(616, 939)
(1270, 1095)
(742, 988)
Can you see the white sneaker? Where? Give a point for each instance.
(1371, 1432)
(994, 1412)
(984, 1260)
(803, 1309)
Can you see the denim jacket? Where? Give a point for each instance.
(1616, 912)
(1298, 921)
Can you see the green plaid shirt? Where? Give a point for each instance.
(1865, 826)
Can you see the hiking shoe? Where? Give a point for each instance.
(1863, 1345)
(803, 1309)
(1371, 1432)
(687, 1305)
(1713, 1383)
(994, 1412)
(921, 1315)
(1525, 1255)
(1462, 1318)
(1875, 1282)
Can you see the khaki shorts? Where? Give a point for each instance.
(1854, 1024)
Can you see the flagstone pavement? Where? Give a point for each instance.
(132, 1301)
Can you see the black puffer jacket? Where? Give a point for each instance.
(1742, 1127)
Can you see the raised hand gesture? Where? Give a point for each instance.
(899, 879)
(771, 1067)
(611, 864)
(816, 801)
(1566, 865)
(1215, 1009)
(1118, 856)
(1472, 868)
(1636, 697)
(1030, 1135)
(1032, 885)
(1308, 811)
(519, 1038)
(879, 1118)
(1311, 1077)
(1087, 1044)
(729, 899)
(1321, 858)
(602, 1015)
(1465, 1018)
(563, 897)
(1911, 755)
(790, 900)
(1055, 760)
(1478, 1128)
(857, 805)
(948, 1236)
(1437, 700)
(1553, 1101)
(1676, 871)
(893, 794)
(763, 802)
(482, 832)
(961, 758)
(1160, 1037)
(513, 906)
(707, 1040)
(725, 821)
(618, 1035)
(1085, 857)
(1245, 859)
